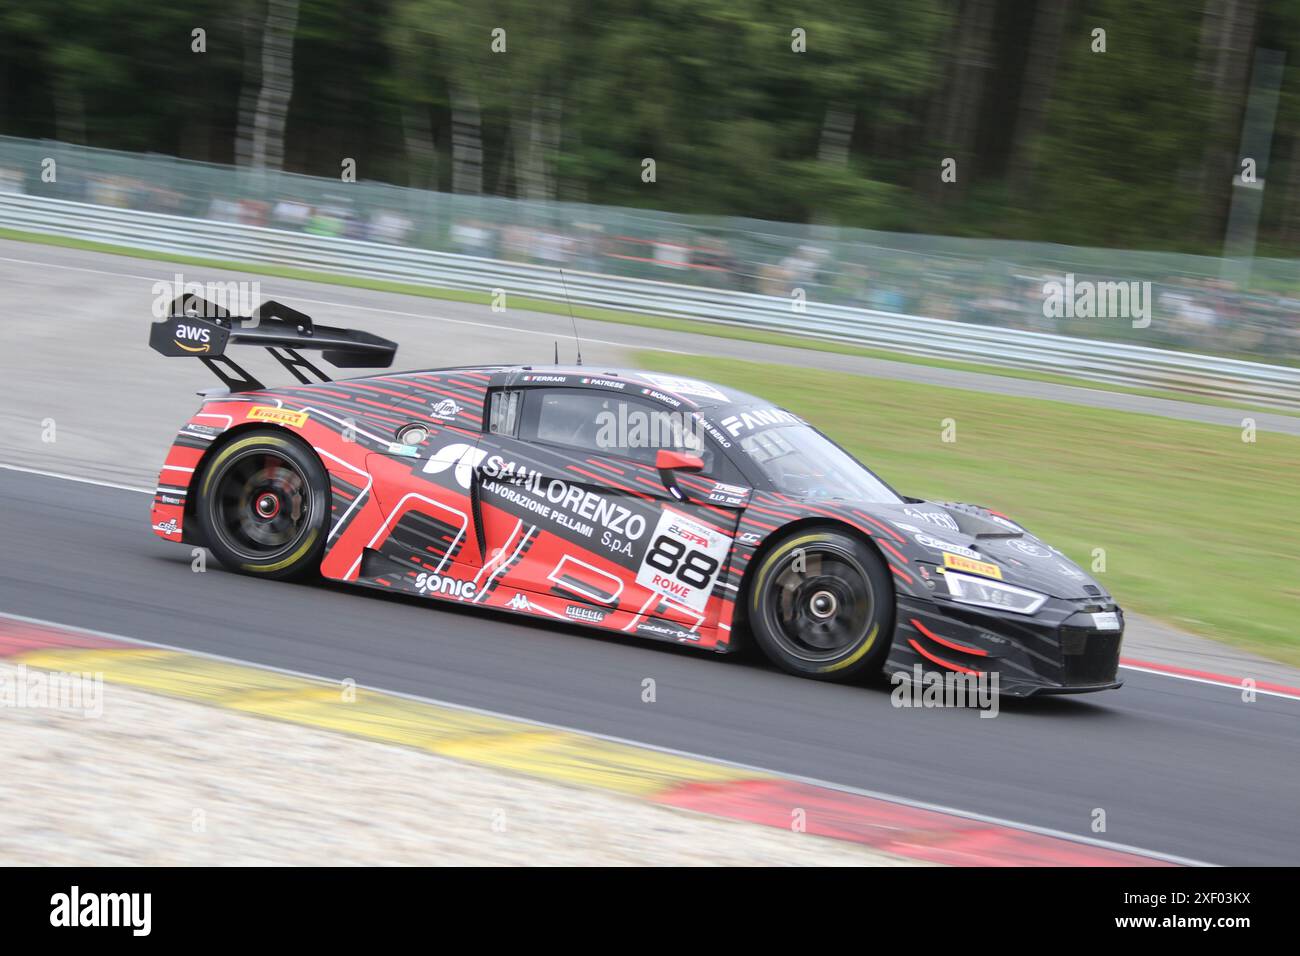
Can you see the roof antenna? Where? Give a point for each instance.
(577, 343)
(557, 351)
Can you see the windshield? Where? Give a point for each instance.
(803, 463)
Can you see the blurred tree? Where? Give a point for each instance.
(272, 111)
(1050, 19)
(801, 111)
(1279, 29)
(109, 73)
(1119, 129)
(250, 16)
(955, 109)
(1223, 62)
(502, 61)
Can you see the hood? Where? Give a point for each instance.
(933, 529)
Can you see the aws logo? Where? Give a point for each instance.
(465, 458)
(199, 337)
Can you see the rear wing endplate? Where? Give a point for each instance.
(197, 328)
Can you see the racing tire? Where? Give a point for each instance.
(821, 605)
(263, 504)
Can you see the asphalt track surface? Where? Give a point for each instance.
(1179, 767)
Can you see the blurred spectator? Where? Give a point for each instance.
(253, 212)
(389, 227)
(671, 255)
(964, 280)
(471, 238)
(798, 268)
(550, 249)
(289, 214)
(11, 181)
(223, 210)
(516, 243)
(713, 258)
(325, 221)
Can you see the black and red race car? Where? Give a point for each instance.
(643, 504)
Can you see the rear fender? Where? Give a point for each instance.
(352, 504)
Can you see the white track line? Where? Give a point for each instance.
(546, 725)
(1227, 683)
(83, 481)
(1224, 682)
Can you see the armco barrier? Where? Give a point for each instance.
(1110, 362)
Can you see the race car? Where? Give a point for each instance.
(647, 505)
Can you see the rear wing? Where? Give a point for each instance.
(197, 328)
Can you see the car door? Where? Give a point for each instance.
(574, 509)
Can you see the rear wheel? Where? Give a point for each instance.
(821, 605)
(263, 503)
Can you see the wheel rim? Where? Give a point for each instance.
(261, 504)
(821, 609)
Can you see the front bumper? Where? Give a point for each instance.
(1059, 650)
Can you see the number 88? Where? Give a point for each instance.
(672, 557)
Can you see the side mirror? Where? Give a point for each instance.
(669, 462)
(666, 460)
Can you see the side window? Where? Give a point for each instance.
(607, 423)
(503, 413)
(574, 418)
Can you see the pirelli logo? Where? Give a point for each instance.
(281, 416)
(958, 563)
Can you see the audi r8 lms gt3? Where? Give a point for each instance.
(647, 505)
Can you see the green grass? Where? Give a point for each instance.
(624, 318)
(1200, 529)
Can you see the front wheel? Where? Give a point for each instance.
(263, 503)
(821, 605)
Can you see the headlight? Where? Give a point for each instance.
(986, 593)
